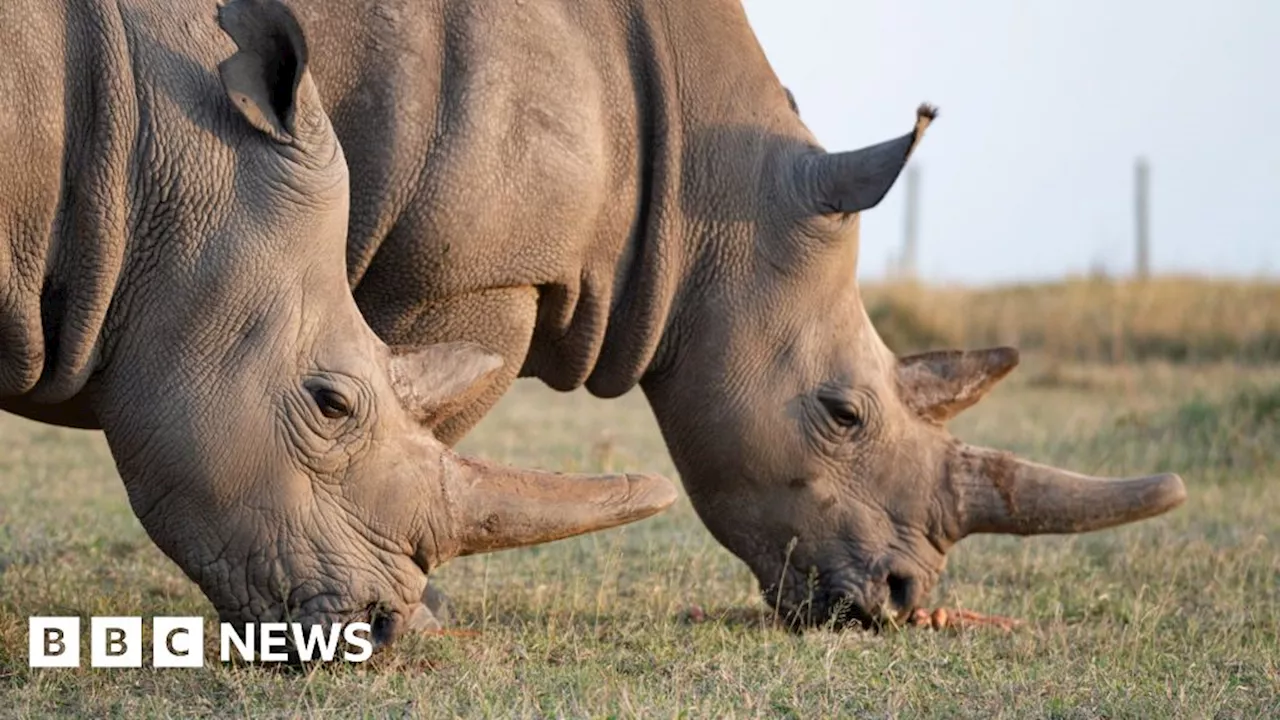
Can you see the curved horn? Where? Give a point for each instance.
(495, 507)
(858, 180)
(999, 493)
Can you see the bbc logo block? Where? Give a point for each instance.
(53, 641)
(115, 642)
(178, 642)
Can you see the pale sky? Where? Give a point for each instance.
(1028, 172)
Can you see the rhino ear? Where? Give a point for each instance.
(436, 381)
(267, 80)
(858, 180)
(938, 385)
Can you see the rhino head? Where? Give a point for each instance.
(270, 444)
(808, 449)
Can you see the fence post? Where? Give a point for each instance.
(911, 225)
(1141, 199)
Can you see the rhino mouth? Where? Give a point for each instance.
(839, 611)
(387, 621)
(828, 609)
(386, 625)
(840, 601)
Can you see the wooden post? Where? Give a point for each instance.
(910, 225)
(1141, 198)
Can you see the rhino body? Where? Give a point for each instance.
(620, 193)
(172, 233)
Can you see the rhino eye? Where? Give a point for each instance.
(843, 412)
(331, 403)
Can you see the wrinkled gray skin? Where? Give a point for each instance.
(621, 192)
(172, 271)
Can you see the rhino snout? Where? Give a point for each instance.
(387, 627)
(869, 599)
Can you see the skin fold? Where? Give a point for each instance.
(622, 193)
(172, 272)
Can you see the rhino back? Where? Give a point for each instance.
(462, 116)
(504, 169)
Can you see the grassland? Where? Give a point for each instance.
(1174, 617)
(1089, 319)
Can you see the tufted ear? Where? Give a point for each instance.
(858, 180)
(938, 385)
(436, 381)
(267, 80)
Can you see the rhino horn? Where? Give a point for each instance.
(436, 381)
(494, 507)
(996, 492)
(858, 180)
(939, 385)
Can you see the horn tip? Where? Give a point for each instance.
(1167, 492)
(927, 112)
(1005, 358)
(651, 494)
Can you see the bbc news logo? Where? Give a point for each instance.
(178, 642)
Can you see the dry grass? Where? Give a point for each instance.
(1170, 318)
(1174, 617)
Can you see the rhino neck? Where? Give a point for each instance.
(705, 103)
(63, 262)
(649, 272)
(740, 134)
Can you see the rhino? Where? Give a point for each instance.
(623, 194)
(172, 273)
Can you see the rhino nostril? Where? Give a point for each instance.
(382, 627)
(900, 591)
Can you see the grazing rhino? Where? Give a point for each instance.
(620, 193)
(172, 272)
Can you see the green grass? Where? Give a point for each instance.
(1175, 617)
